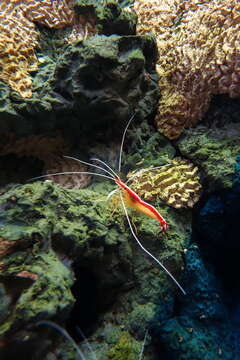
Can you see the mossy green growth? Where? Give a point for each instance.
(47, 228)
(127, 348)
(44, 228)
(140, 318)
(214, 150)
(9, 116)
(111, 18)
(148, 149)
(44, 297)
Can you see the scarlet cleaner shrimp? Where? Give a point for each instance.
(128, 197)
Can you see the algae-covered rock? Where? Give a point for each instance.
(126, 349)
(46, 229)
(214, 150)
(110, 18)
(146, 148)
(86, 81)
(95, 84)
(105, 78)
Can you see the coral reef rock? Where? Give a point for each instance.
(198, 44)
(106, 76)
(20, 36)
(51, 152)
(215, 151)
(88, 85)
(49, 236)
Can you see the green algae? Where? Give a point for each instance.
(42, 222)
(47, 223)
(127, 348)
(148, 149)
(110, 16)
(140, 318)
(215, 151)
(52, 227)
(61, 94)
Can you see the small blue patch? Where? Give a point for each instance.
(236, 180)
(213, 206)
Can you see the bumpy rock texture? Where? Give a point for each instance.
(215, 148)
(19, 37)
(85, 83)
(46, 232)
(198, 44)
(68, 256)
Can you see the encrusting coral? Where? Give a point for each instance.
(19, 37)
(198, 44)
(177, 183)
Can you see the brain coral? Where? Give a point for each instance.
(19, 37)
(199, 49)
(177, 184)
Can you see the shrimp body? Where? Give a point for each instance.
(133, 201)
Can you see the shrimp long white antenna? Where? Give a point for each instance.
(87, 343)
(65, 334)
(122, 142)
(70, 173)
(90, 164)
(102, 162)
(143, 345)
(146, 251)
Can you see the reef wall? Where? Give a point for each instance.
(72, 75)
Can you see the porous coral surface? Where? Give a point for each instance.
(198, 44)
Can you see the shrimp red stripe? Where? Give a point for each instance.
(143, 204)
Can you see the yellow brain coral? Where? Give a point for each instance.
(18, 40)
(177, 184)
(199, 56)
(19, 37)
(51, 13)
